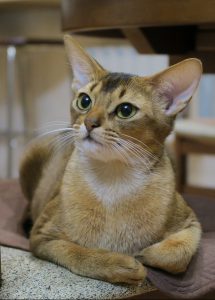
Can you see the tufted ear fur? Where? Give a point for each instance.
(84, 67)
(177, 84)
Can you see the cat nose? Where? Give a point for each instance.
(91, 123)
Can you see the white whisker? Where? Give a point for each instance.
(138, 156)
(64, 140)
(121, 153)
(51, 124)
(56, 131)
(125, 146)
(142, 149)
(137, 140)
(132, 146)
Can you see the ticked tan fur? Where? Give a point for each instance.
(103, 213)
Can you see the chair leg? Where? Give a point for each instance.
(23, 83)
(181, 166)
(11, 80)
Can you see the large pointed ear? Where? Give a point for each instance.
(84, 67)
(177, 84)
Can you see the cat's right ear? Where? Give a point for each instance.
(85, 69)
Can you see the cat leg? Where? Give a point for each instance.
(48, 244)
(174, 253)
(94, 263)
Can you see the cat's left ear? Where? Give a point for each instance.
(177, 84)
(84, 67)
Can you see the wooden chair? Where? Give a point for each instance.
(178, 28)
(193, 137)
(21, 26)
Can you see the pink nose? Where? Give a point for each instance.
(91, 123)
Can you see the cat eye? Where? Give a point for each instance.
(84, 102)
(126, 110)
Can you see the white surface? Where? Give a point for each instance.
(195, 129)
(26, 277)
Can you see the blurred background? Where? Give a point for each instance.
(35, 77)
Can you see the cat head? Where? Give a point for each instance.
(120, 116)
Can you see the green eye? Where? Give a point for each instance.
(126, 110)
(84, 102)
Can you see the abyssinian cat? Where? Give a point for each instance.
(104, 204)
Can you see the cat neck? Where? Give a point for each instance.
(114, 181)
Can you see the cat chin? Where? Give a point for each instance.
(91, 146)
(97, 151)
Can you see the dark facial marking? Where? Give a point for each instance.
(93, 86)
(113, 80)
(122, 93)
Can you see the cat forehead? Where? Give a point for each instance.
(122, 83)
(115, 88)
(113, 81)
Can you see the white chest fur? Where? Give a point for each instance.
(113, 181)
(106, 225)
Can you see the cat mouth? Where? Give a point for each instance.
(90, 139)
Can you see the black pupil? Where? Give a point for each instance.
(126, 110)
(85, 101)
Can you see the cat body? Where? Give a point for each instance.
(106, 204)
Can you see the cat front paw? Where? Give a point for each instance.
(122, 268)
(141, 256)
(154, 256)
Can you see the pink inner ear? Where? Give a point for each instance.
(178, 83)
(180, 98)
(81, 73)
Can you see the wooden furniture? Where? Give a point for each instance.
(184, 28)
(23, 23)
(193, 137)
